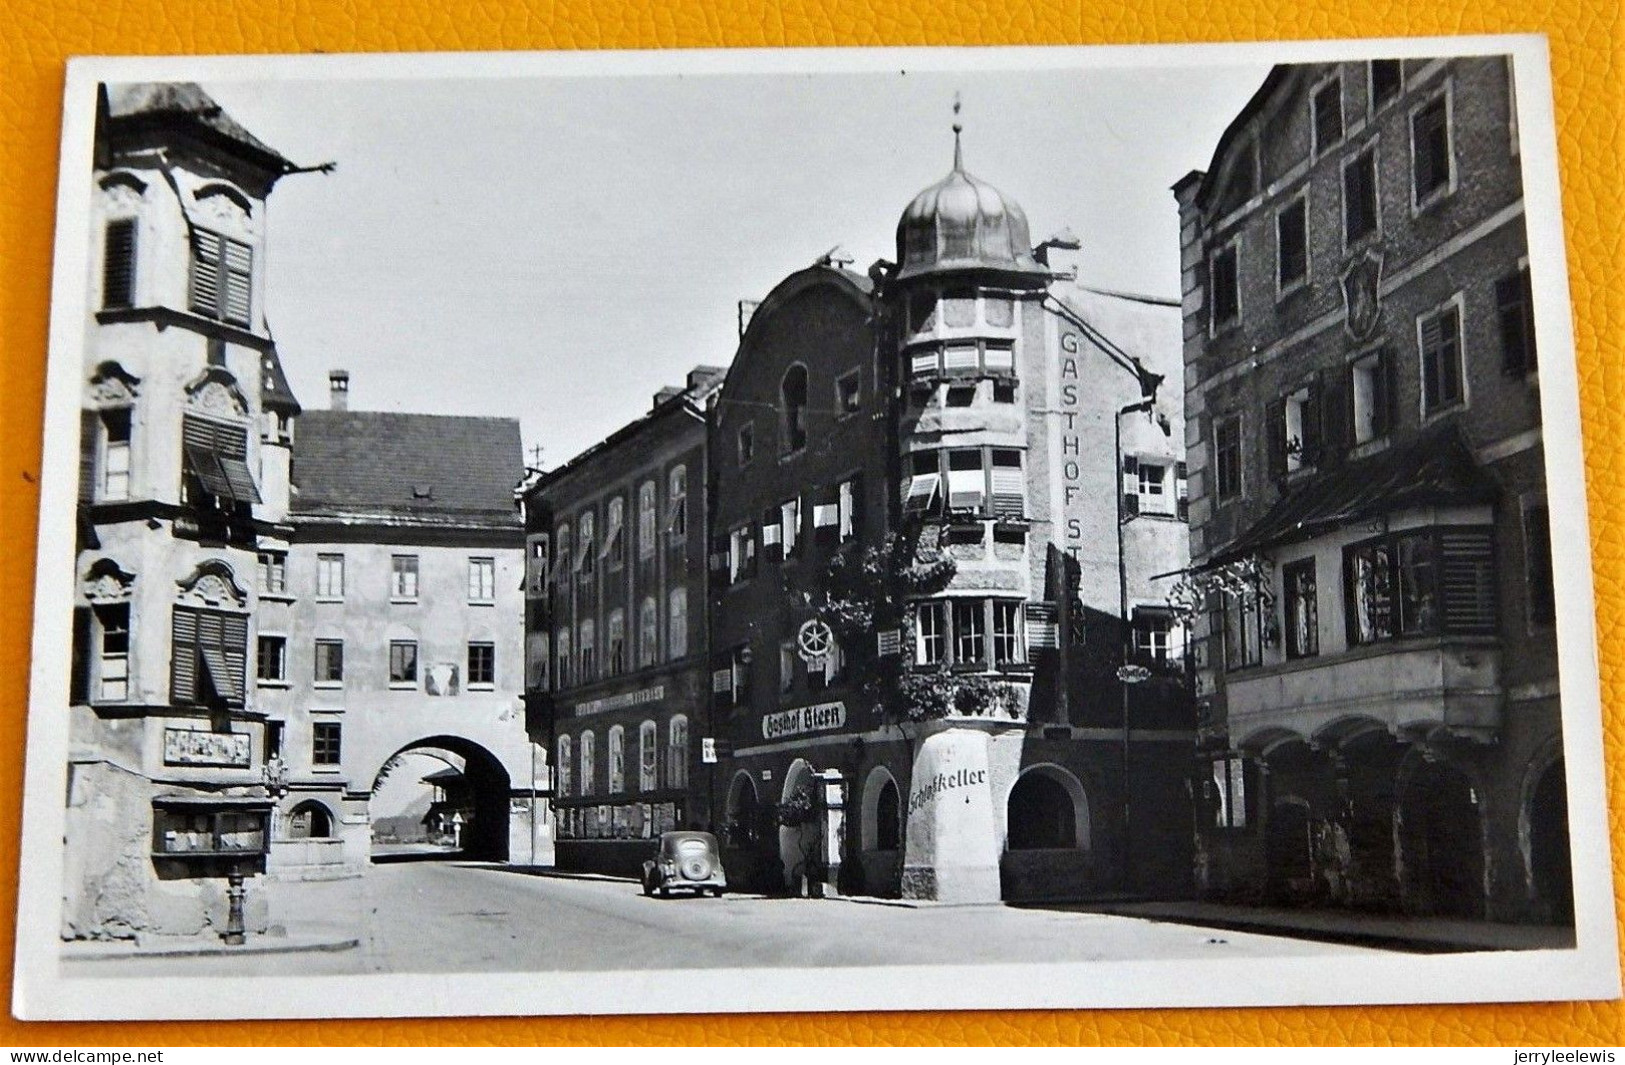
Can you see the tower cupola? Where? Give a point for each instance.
(962, 223)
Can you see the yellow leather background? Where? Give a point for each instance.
(1588, 52)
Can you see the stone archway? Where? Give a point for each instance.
(1047, 809)
(477, 796)
(310, 819)
(800, 845)
(881, 827)
(1288, 853)
(742, 822)
(1441, 842)
(1550, 872)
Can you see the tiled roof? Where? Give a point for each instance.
(406, 465)
(1435, 467)
(187, 100)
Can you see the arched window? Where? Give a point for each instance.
(648, 632)
(589, 652)
(585, 562)
(1043, 813)
(563, 562)
(588, 785)
(561, 664)
(677, 503)
(564, 768)
(310, 820)
(677, 753)
(648, 756)
(793, 394)
(677, 624)
(614, 526)
(617, 760)
(614, 644)
(646, 519)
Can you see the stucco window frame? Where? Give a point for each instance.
(1302, 281)
(1318, 150)
(1420, 204)
(1369, 149)
(1464, 401)
(281, 681)
(335, 560)
(481, 685)
(399, 569)
(105, 449)
(1216, 326)
(1239, 490)
(404, 683)
(1373, 105)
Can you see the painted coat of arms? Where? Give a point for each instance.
(1361, 295)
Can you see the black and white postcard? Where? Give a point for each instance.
(812, 530)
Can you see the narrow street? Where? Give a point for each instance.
(427, 917)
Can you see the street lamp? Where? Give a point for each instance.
(1127, 673)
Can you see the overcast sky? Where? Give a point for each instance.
(557, 249)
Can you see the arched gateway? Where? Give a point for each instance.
(475, 802)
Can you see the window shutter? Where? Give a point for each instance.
(1131, 485)
(1009, 488)
(79, 678)
(1275, 438)
(1312, 418)
(239, 268)
(1516, 315)
(234, 641)
(183, 657)
(1182, 503)
(118, 264)
(1043, 629)
(1332, 397)
(1537, 547)
(1468, 582)
(1386, 392)
(206, 273)
(90, 440)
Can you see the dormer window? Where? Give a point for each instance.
(793, 394)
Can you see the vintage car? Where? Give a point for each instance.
(689, 860)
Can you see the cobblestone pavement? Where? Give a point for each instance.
(430, 917)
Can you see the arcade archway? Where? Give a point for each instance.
(1549, 862)
(1441, 842)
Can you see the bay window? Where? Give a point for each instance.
(1423, 582)
(957, 632)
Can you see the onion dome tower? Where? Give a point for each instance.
(962, 223)
(966, 303)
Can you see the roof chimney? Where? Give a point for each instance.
(338, 389)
